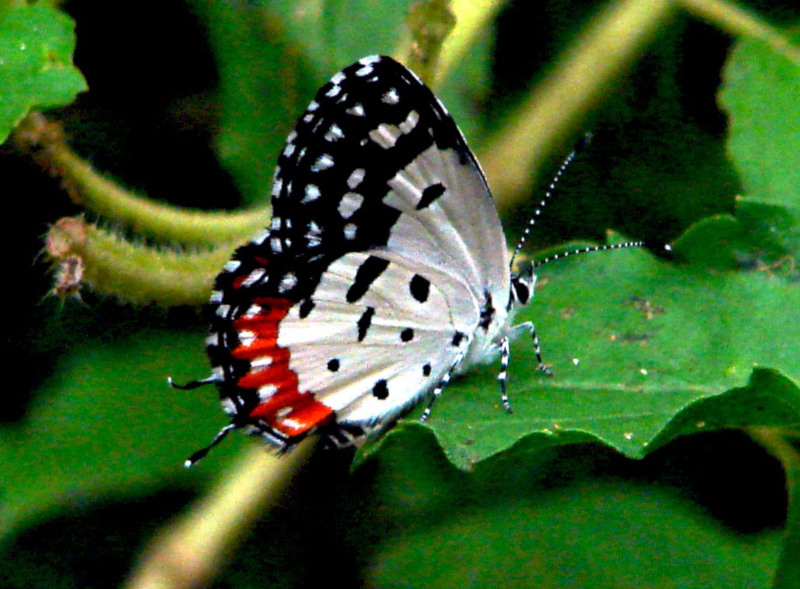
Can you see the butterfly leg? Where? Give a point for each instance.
(528, 326)
(437, 392)
(505, 355)
(541, 366)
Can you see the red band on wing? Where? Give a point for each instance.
(286, 409)
(293, 413)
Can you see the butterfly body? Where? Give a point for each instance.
(384, 270)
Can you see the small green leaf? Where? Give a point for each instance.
(36, 71)
(761, 93)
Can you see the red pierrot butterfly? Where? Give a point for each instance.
(383, 273)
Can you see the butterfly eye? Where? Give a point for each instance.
(522, 286)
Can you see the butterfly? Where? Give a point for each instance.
(383, 273)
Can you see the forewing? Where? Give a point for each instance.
(377, 162)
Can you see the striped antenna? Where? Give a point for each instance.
(586, 250)
(550, 189)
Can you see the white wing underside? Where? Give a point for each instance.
(368, 355)
(459, 233)
(460, 251)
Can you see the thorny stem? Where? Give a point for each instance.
(133, 272)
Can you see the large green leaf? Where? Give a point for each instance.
(106, 421)
(635, 343)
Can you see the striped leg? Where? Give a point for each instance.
(541, 367)
(505, 354)
(437, 392)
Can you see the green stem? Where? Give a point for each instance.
(735, 20)
(132, 272)
(191, 551)
(105, 197)
(787, 575)
(557, 107)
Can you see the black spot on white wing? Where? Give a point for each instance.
(364, 322)
(305, 308)
(367, 273)
(430, 194)
(334, 364)
(407, 335)
(380, 390)
(487, 312)
(420, 288)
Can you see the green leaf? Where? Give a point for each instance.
(576, 516)
(760, 93)
(36, 71)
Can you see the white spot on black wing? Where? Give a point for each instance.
(323, 162)
(349, 204)
(391, 97)
(334, 133)
(356, 178)
(357, 110)
(311, 193)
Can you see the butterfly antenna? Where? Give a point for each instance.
(586, 250)
(549, 192)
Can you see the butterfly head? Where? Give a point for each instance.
(522, 285)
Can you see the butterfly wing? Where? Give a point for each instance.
(383, 254)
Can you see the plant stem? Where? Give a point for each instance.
(191, 551)
(44, 140)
